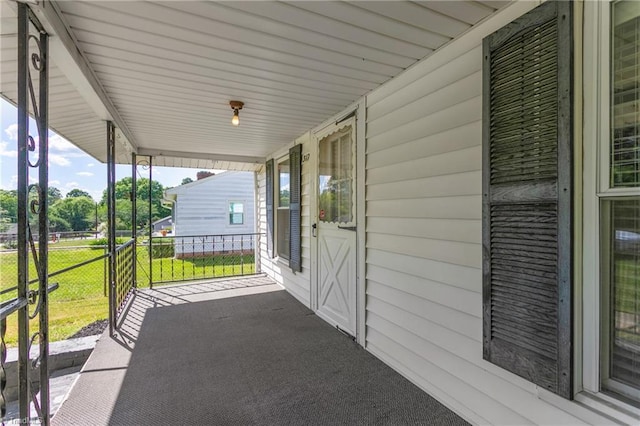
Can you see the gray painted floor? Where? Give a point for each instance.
(247, 356)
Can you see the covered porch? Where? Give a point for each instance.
(439, 190)
(152, 82)
(238, 351)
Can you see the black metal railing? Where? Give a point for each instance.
(123, 280)
(13, 305)
(7, 308)
(196, 257)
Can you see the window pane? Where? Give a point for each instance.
(236, 216)
(625, 115)
(336, 178)
(282, 212)
(624, 229)
(283, 183)
(283, 233)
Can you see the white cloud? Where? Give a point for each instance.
(58, 143)
(90, 165)
(71, 185)
(54, 182)
(84, 174)
(59, 160)
(12, 131)
(11, 185)
(4, 152)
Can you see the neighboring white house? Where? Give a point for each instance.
(213, 214)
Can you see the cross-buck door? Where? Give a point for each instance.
(336, 229)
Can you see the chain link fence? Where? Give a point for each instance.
(81, 299)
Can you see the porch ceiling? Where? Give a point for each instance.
(170, 69)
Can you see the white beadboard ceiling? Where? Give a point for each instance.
(170, 69)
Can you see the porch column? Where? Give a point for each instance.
(42, 120)
(23, 216)
(150, 225)
(32, 65)
(111, 223)
(134, 216)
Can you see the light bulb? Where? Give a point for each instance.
(236, 119)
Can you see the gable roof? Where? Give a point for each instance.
(171, 194)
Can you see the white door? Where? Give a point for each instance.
(336, 229)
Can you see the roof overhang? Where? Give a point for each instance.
(164, 72)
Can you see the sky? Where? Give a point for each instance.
(69, 166)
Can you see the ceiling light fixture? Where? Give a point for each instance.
(236, 106)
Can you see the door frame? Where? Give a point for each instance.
(360, 140)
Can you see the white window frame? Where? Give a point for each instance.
(230, 203)
(596, 181)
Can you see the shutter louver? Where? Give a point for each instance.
(269, 204)
(295, 237)
(527, 171)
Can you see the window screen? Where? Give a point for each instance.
(625, 111)
(624, 271)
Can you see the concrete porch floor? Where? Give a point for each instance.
(237, 352)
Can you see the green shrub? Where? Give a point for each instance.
(12, 244)
(100, 242)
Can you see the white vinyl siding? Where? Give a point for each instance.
(298, 284)
(424, 239)
(423, 256)
(202, 207)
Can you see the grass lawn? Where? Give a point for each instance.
(77, 302)
(81, 300)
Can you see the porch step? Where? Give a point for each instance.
(60, 383)
(64, 354)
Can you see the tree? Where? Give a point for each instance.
(186, 181)
(54, 194)
(123, 192)
(9, 206)
(57, 224)
(74, 193)
(123, 214)
(78, 212)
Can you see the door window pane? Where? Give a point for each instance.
(625, 111)
(336, 177)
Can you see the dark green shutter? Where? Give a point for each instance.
(295, 229)
(527, 197)
(269, 203)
